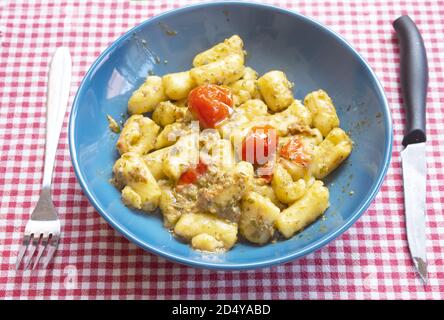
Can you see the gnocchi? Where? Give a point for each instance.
(233, 45)
(148, 96)
(169, 135)
(276, 90)
(207, 160)
(285, 189)
(138, 135)
(182, 154)
(258, 217)
(193, 224)
(323, 111)
(153, 161)
(178, 85)
(140, 188)
(167, 203)
(223, 71)
(165, 113)
(334, 149)
(246, 88)
(304, 211)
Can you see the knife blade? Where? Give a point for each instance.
(413, 174)
(414, 79)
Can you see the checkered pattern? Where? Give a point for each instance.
(370, 261)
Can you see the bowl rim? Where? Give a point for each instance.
(245, 265)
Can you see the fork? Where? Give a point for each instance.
(43, 228)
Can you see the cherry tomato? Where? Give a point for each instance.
(192, 174)
(210, 104)
(260, 145)
(293, 150)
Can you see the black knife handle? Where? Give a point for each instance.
(414, 78)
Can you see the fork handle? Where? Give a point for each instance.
(59, 82)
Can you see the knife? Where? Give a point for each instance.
(414, 78)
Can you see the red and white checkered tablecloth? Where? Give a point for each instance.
(370, 261)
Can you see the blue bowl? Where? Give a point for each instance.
(310, 54)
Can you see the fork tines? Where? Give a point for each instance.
(46, 239)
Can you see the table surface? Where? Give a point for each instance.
(369, 261)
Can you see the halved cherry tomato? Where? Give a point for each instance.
(210, 104)
(260, 144)
(192, 174)
(293, 150)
